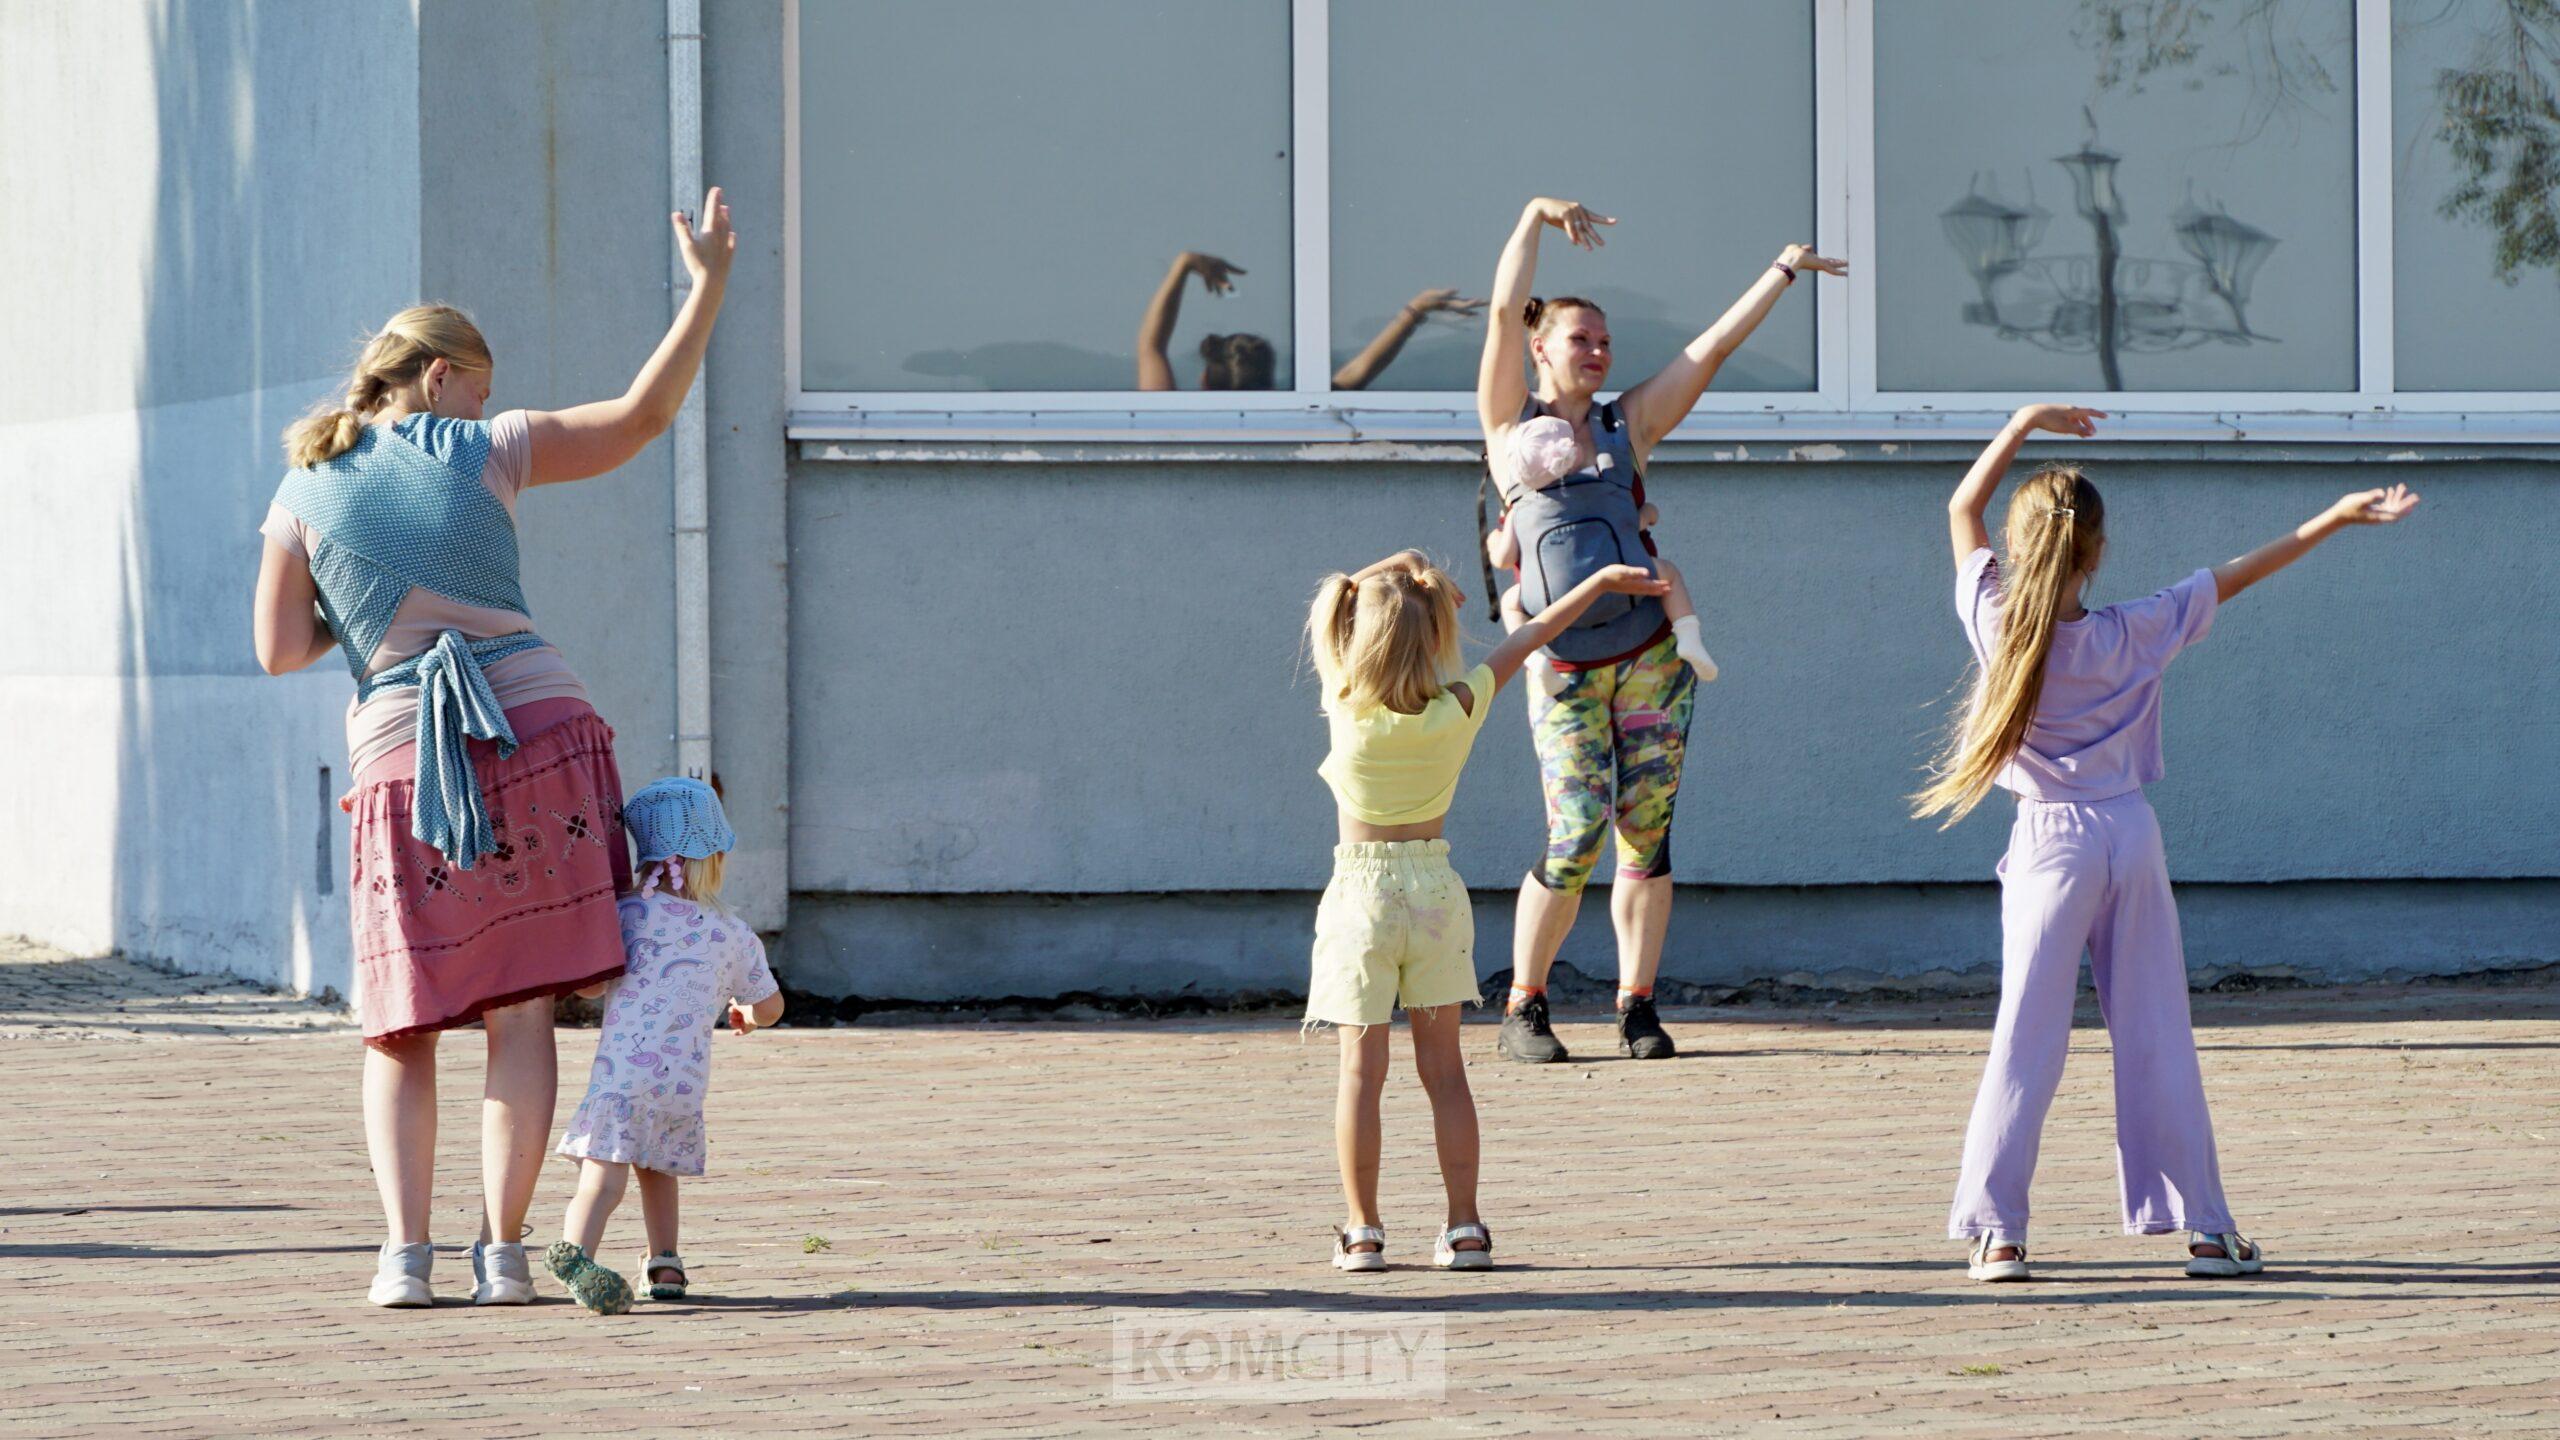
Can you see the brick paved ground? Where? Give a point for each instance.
(1737, 1242)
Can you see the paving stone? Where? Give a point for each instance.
(1746, 1240)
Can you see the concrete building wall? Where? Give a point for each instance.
(179, 296)
(995, 727)
(1114, 706)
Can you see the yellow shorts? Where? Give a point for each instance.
(1395, 926)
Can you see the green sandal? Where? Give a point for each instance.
(651, 1265)
(589, 1283)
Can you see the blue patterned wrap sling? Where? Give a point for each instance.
(404, 510)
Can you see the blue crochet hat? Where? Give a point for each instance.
(677, 817)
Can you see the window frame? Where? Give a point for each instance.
(1845, 404)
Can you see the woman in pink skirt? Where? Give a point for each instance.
(488, 813)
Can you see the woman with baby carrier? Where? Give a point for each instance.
(1611, 718)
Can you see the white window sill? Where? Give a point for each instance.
(1372, 434)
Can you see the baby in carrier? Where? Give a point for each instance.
(1543, 450)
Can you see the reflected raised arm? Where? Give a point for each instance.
(590, 439)
(1164, 308)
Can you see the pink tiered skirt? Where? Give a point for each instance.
(436, 945)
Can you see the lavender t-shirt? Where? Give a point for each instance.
(2096, 734)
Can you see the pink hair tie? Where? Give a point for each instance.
(670, 869)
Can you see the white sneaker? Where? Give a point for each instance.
(501, 1274)
(1987, 1269)
(400, 1276)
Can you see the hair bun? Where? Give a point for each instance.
(1530, 312)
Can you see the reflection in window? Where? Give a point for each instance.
(2475, 230)
(2115, 194)
(1692, 124)
(991, 192)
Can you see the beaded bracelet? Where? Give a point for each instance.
(1783, 268)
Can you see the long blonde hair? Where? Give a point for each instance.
(2054, 531)
(1388, 640)
(408, 343)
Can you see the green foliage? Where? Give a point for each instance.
(2502, 127)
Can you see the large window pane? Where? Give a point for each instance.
(2475, 231)
(1691, 123)
(2115, 194)
(992, 191)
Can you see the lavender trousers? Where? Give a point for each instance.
(2091, 876)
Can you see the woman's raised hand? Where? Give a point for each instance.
(707, 248)
(1631, 580)
(2375, 507)
(1578, 223)
(1216, 275)
(1801, 257)
(2060, 419)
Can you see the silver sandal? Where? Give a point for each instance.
(1446, 1254)
(2240, 1256)
(1346, 1258)
(1984, 1268)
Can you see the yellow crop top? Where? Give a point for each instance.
(1393, 769)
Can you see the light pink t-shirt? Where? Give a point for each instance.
(2096, 733)
(390, 718)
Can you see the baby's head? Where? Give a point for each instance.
(1543, 449)
(1388, 636)
(683, 837)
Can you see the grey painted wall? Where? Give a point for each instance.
(1113, 701)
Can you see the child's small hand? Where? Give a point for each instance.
(741, 1019)
(2375, 507)
(1631, 580)
(2060, 419)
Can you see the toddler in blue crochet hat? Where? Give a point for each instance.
(689, 956)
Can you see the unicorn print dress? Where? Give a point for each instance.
(644, 1094)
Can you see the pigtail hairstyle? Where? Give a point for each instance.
(1389, 639)
(2053, 533)
(409, 342)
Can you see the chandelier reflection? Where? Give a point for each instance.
(2106, 303)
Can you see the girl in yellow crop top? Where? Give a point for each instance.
(1395, 924)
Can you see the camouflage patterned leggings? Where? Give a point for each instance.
(1624, 725)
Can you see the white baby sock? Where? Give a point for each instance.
(1684, 635)
(1544, 674)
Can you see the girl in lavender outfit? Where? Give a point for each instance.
(2065, 715)
(643, 1110)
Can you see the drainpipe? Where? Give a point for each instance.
(690, 440)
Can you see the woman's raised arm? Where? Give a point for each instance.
(1502, 387)
(1666, 397)
(590, 439)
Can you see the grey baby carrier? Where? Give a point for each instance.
(1574, 528)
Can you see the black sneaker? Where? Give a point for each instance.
(1640, 1034)
(1526, 1036)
